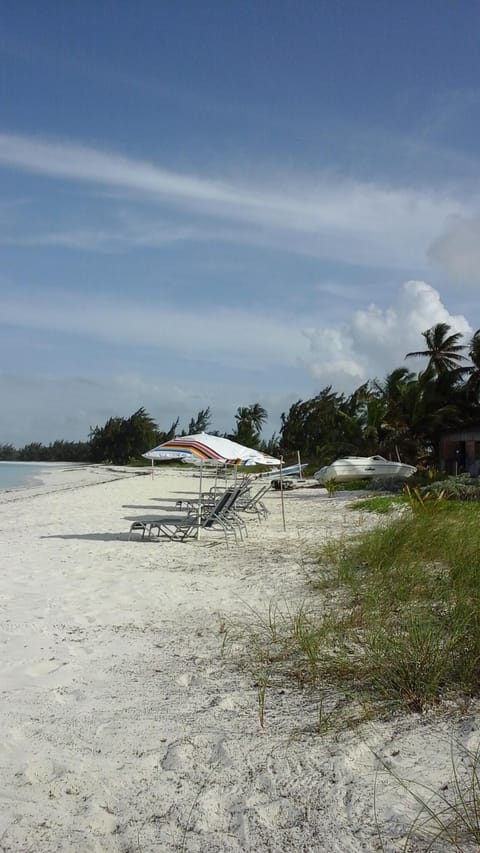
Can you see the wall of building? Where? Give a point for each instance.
(460, 451)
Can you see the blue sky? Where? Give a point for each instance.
(228, 202)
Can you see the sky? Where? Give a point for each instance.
(223, 203)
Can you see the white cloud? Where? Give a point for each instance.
(368, 344)
(356, 221)
(116, 239)
(375, 340)
(254, 352)
(237, 337)
(457, 250)
(333, 356)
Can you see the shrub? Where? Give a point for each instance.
(463, 488)
(331, 486)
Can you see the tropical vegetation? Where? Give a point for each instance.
(401, 416)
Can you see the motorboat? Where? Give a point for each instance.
(362, 468)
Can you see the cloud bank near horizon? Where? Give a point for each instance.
(367, 345)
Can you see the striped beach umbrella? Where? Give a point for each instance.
(209, 448)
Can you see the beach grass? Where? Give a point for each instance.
(379, 503)
(448, 816)
(394, 615)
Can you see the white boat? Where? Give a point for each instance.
(362, 468)
(289, 471)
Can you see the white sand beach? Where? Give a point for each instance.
(123, 728)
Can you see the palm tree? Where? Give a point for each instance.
(418, 408)
(444, 352)
(391, 385)
(472, 386)
(258, 415)
(360, 419)
(393, 429)
(250, 420)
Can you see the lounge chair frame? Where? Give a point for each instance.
(179, 529)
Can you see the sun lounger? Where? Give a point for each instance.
(246, 503)
(254, 504)
(207, 500)
(187, 526)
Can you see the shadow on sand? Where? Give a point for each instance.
(92, 537)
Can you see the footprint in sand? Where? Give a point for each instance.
(65, 696)
(44, 667)
(197, 752)
(179, 756)
(231, 702)
(103, 820)
(43, 770)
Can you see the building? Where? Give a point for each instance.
(459, 451)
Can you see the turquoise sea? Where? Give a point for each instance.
(17, 475)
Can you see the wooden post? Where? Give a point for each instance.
(282, 501)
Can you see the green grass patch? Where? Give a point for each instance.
(394, 617)
(413, 588)
(379, 503)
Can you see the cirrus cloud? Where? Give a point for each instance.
(368, 223)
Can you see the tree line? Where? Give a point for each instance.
(122, 440)
(401, 416)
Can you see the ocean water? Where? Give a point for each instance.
(17, 475)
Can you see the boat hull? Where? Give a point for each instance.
(289, 471)
(363, 468)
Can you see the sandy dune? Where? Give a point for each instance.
(122, 726)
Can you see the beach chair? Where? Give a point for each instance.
(207, 500)
(187, 526)
(254, 503)
(231, 512)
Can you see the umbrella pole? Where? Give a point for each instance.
(152, 469)
(282, 501)
(199, 518)
(299, 466)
